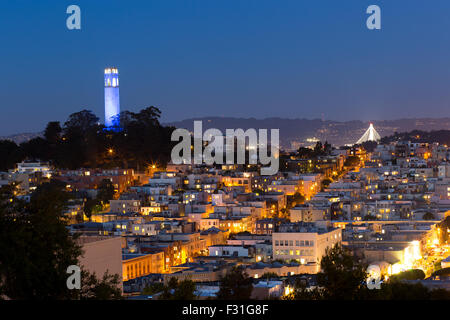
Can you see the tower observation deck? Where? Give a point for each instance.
(112, 101)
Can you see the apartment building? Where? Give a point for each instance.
(304, 242)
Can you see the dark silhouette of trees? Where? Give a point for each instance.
(294, 200)
(94, 288)
(352, 161)
(428, 216)
(83, 142)
(105, 191)
(413, 274)
(10, 154)
(36, 248)
(369, 146)
(319, 150)
(342, 276)
(235, 285)
(440, 136)
(178, 290)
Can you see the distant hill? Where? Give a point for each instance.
(22, 137)
(335, 132)
(440, 136)
(295, 132)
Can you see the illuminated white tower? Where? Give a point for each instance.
(370, 135)
(112, 102)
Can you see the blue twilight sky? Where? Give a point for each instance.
(245, 58)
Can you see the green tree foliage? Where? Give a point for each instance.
(10, 155)
(440, 136)
(319, 150)
(294, 200)
(269, 275)
(369, 146)
(83, 142)
(178, 290)
(94, 288)
(428, 216)
(105, 191)
(143, 140)
(325, 183)
(342, 276)
(413, 274)
(36, 247)
(305, 153)
(443, 226)
(153, 288)
(444, 272)
(235, 285)
(352, 161)
(397, 290)
(369, 217)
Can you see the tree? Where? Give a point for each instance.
(53, 132)
(52, 135)
(294, 200)
(443, 228)
(284, 213)
(326, 183)
(413, 274)
(153, 288)
(83, 141)
(402, 291)
(318, 149)
(10, 154)
(305, 153)
(81, 122)
(93, 288)
(269, 275)
(36, 248)
(352, 161)
(92, 206)
(369, 217)
(428, 216)
(35, 149)
(369, 146)
(342, 276)
(178, 290)
(105, 191)
(235, 285)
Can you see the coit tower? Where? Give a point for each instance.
(112, 103)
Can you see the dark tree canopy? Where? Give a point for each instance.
(83, 142)
(10, 154)
(36, 248)
(178, 290)
(235, 285)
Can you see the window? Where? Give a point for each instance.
(302, 243)
(286, 243)
(276, 242)
(291, 243)
(297, 243)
